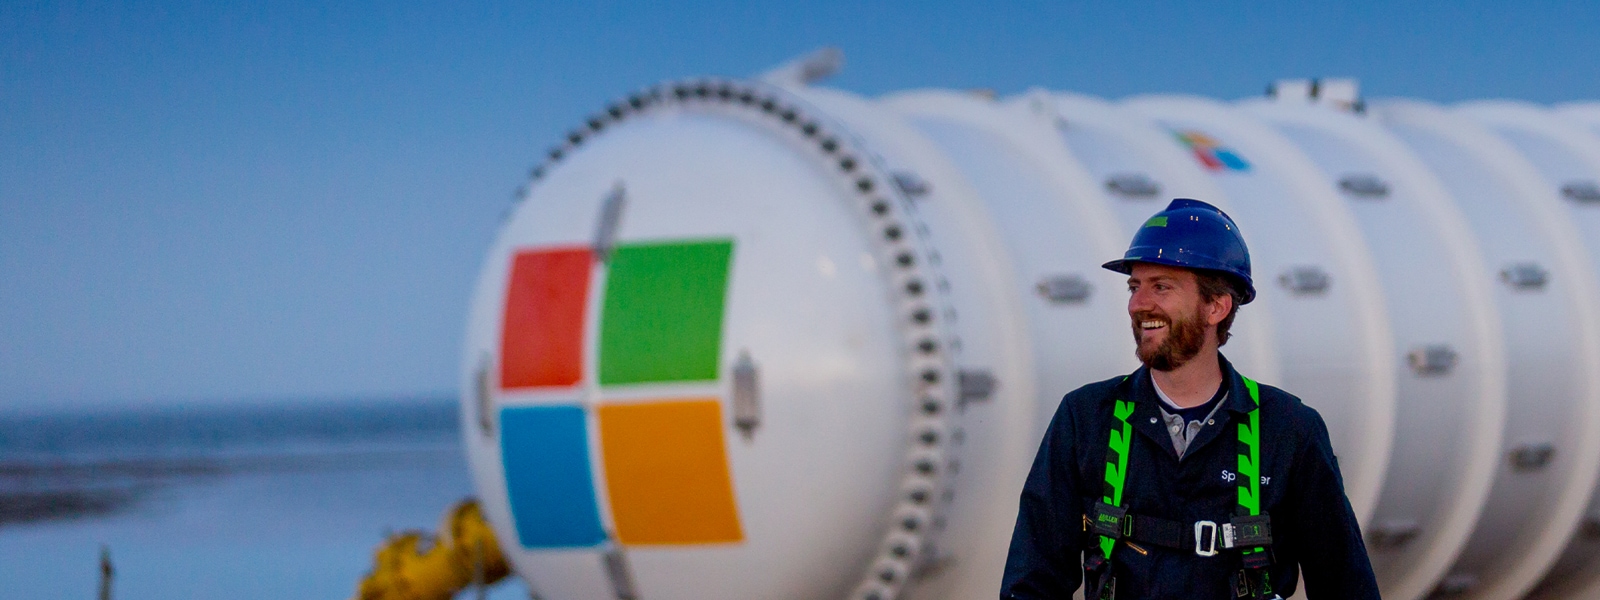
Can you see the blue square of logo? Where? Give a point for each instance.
(545, 450)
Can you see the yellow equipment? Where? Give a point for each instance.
(412, 565)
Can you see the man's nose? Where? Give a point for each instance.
(1139, 300)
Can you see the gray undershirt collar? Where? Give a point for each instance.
(1180, 432)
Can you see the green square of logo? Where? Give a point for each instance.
(662, 314)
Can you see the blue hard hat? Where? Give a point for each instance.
(1193, 235)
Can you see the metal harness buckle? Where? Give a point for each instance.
(1205, 544)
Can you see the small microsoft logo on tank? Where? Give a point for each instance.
(640, 463)
(1211, 153)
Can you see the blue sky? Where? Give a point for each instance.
(246, 201)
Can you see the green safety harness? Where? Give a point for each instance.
(1249, 532)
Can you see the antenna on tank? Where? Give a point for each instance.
(807, 69)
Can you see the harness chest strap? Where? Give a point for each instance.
(1249, 531)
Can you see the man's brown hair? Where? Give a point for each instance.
(1212, 285)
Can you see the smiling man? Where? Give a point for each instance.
(1185, 479)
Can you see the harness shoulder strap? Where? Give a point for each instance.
(1252, 580)
(1099, 582)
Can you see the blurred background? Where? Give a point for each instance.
(237, 239)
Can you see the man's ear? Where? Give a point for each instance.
(1218, 308)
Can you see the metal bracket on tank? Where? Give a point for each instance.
(1364, 186)
(1590, 529)
(482, 396)
(1433, 360)
(746, 396)
(805, 70)
(1133, 186)
(1525, 276)
(1456, 584)
(911, 184)
(1306, 280)
(976, 385)
(1532, 457)
(1582, 192)
(616, 565)
(605, 233)
(1064, 289)
(1393, 534)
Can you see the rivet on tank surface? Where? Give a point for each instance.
(864, 184)
(830, 145)
(918, 496)
(880, 208)
(892, 232)
(848, 164)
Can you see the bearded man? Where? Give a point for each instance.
(1185, 479)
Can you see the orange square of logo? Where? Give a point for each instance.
(666, 471)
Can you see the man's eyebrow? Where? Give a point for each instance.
(1133, 280)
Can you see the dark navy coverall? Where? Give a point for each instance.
(1313, 527)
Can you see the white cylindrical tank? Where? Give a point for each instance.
(759, 339)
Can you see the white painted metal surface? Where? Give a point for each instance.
(1568, 158)
(1551, 450)
(913, 282)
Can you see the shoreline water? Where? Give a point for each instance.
(264, 502)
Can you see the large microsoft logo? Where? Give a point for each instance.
(663, 464)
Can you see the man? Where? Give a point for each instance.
(1185, 479)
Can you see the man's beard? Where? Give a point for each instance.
(1185, 338)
